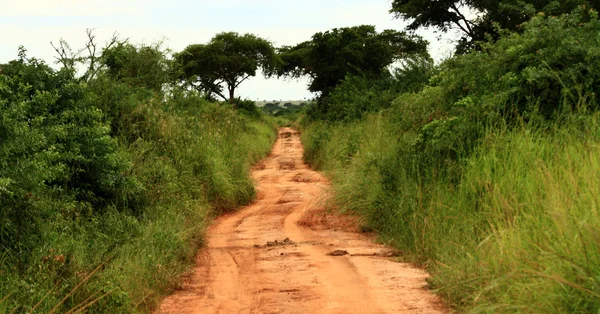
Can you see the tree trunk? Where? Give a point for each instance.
(231, 94)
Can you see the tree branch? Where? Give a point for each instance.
(65, 54)
(240, 82)
(468, 30)
(220, 94)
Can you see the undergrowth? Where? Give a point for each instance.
(107, 186)
(489, 175)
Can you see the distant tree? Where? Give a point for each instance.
(476, 18)
(358, 50)
(228, 59)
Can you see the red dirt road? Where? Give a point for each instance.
(275, 256)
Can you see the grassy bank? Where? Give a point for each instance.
(106, 186)
(487, 176)
(518, 233)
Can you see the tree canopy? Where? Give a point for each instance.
(144, 66)
(228, 59)
(360, 50)
(476, 18)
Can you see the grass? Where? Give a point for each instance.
(517, 233)
(189, 165)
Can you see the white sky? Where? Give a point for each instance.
(35, 23)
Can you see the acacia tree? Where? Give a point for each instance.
(360, 50)
(227, 60)
(476, 18)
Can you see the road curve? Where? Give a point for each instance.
(286, 254)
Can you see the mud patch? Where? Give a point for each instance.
(321, 218)
(286, 163)
(285, 134)
(291, 196)
(385, 253)
(259, 166)
(338, 253)
(304, 177)
(285, 242)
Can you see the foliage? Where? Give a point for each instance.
(247, 107)
(54, 146)
(357, 96)
(229, 58)
(144, 66)
(106, 185)
(288, 110)
(487, 175)
(550, 67)
(516, 233)
(477, 19)
(360, 50)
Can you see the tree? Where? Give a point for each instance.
(88, 56)
(360, 50)
(229, 59)
(476, 18)
(145, 66)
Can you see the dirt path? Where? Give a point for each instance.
(285, 254)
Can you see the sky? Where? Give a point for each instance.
(179, 23)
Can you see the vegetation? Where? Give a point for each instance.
(288, 111)
(229, 58)
(479, 19)
(107, 181)
(484, 168)
(359, 50)
(486, 175)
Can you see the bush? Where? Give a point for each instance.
(247, 107)
(106, 188)
(487, 176)
(357, 96)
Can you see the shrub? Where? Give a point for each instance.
(487, 176)
(106, 188)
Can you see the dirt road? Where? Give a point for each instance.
(286, 254)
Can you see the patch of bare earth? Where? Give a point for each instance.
(287, 254)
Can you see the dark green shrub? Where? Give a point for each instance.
(547, 68)
(357, 96)
(112, 173)
(141, 66)
(247, 107)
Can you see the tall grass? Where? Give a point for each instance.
(489, 175)
(191, 160)
(518, 233)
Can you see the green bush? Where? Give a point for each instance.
(106, 186)
(357, 96)
(143, 66)
(488, 175)
(548, 68)
(247, 107)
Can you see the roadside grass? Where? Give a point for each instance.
(517, 233)
(189, 164)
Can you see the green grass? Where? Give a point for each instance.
(517, 233)
(189, 165)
